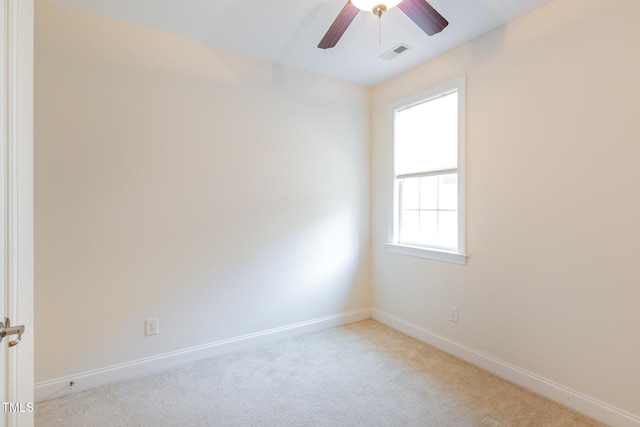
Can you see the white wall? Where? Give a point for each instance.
(553, 208)
(222, 194)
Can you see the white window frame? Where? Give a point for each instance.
(459, 256)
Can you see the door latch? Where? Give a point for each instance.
(7, 329)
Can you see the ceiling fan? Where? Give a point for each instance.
(419, 11)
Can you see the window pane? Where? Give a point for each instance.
(448, 229)
(428, 228)
(429, 214)
(410, 226)
(448, 192)
(428, 192)
(426, 136)
(410, 193)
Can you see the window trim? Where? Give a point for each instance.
(429, 253)
(459, 256)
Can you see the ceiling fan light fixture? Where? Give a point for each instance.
(375, 5)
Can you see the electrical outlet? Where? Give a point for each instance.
(453, 314)
(151, 327)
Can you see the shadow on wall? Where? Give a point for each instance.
(258, 278)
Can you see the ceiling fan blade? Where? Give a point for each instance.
(424, 15)
(339, 26)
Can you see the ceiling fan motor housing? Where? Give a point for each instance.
(379, 9)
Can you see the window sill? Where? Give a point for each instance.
(435, 254)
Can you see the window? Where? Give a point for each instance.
(428, 142)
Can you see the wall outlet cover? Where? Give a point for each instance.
(453, 314)
(151, 327)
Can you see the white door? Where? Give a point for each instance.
(16, 211)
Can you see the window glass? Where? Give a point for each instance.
(429, 211)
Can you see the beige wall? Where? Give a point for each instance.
(553, 220)
(227, 196)
(222, 194)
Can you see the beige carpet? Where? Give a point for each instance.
(363, 374)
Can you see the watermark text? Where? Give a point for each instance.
(17, 407)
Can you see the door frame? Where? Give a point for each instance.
(16, 192)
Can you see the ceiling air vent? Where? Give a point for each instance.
(394, 52)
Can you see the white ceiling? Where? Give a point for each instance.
(287, 32)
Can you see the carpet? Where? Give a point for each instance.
(361, 374)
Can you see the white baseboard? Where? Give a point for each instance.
(573, 399)
(87, 380)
